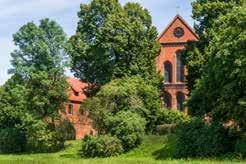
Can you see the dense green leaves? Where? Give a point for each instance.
(12, 140)
(31, 99)
(205, 13)
(197, 139)
(127, 126)
(132, 93)
(221, 91)
(101, 146)
(112, 42)
(39, 61)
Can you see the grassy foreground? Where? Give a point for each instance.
(154, 149)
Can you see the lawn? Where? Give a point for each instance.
(154, 149)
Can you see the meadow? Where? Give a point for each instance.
(154, 149)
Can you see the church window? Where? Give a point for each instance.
(180, 67)
(168, 72)
(167, 100)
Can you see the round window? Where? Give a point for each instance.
(178, 32)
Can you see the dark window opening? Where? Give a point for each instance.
(70, 109)
(180, 101)
(180, 67)
(168, 72)
(167, 100)
(76, 93)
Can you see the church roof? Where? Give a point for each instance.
(178, 20)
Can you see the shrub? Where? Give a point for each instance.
(171, 117)
(101, 146)
(240, 146)
(128, 127)
(12, 140)
(41, 139)
(166, 129)
(129, 93)
(66, 130)
(197, 139)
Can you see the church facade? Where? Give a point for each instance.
(168, 63)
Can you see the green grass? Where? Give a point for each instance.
(154, 149)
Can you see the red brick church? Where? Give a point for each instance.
(173, 40)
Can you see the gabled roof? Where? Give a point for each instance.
(178, 17)
(77, 86)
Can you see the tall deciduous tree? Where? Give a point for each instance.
(112, 41)
(222, 88)
(205, 13)
(39, 61)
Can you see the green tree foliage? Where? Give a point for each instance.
(131, 93)
(197, 139)
(240, 146)
(40, 138)
(171, 117)
(112, 41)
(12, 103)
(30, 100)
(101, 146)
(66, 130)
(12, 140)
(127, 126)
(205, 13)
(39, 61)
(221, 90)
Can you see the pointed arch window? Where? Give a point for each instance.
(167, 100)
(168, 72)
(180, 67)
(180, 101)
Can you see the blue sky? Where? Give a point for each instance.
(15, 13)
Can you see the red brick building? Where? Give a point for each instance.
(76, 95)
(173, 40)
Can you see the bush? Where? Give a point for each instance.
(129, 93)
(101, 146)
(240, 146)
(66, 130)
(166, 129)
(42, 140)
(12, 140)
(128, 127)
(171, 117)
(197, 139)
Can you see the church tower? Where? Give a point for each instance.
(169, 64)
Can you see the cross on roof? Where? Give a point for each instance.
(178, 8)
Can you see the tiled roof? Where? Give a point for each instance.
(76, 85)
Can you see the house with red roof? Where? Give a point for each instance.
(76, 95)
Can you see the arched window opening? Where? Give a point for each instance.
(180, 101)
(168, 72)
(167, 100)
(180, 67)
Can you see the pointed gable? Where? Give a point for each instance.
(168, 36)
